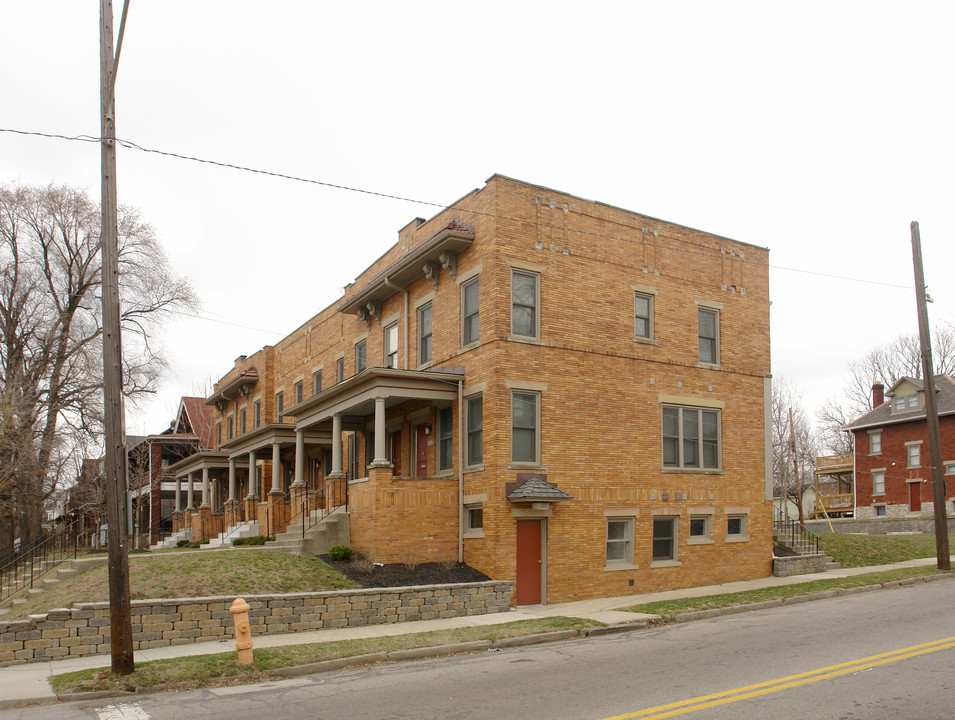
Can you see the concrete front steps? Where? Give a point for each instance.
(242, 530)
(328, 531)
(173, 540)
(63, 571)
(803, 548)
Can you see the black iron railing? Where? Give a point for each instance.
(32, 560)
(333, 495)
(801, 539)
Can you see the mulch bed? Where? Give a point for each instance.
(404, 574)
(781, 551)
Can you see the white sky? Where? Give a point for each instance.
(817, 129)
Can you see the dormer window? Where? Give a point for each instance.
(900, 403)
(913, 401)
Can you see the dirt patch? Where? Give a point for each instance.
(783, 551)
(405, 574)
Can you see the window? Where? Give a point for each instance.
(394, 451)
(691, 437)
(950, 468)
(709, 335)
(878, 482)
(900, 404)
(242, 421)
(912, 401)
(914, 455)
(643, 315)
(298, 392)
(736, 526)
(229, 425)
(391, 345)
(875, 442)
(279, 406)
(445, 438)
(340, 370)
(525, 308)
(699, 527)
(880, 510)
(524, 427)
(424, 334)
(475, 409)
(470, 327)
(316, 382)
(219, 433)
(473, 517)
(359, 357)
(664, 538)
(257, 411)
(619, 541)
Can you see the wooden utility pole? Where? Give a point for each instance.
(120, 620)
(931, 409)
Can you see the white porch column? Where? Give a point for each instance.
(381, 435)
(232, 497)
(253, 490)
(205, 488)
(190, 499)
(276, 476)
(178, 506)
(299, 458)
(336, 445)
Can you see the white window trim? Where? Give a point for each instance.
(536, 335)
(874, 471)
(418, 337)
(717, 311)
(875, 434)
(386, 342)
(627, 563)
(908, 457)
(438, 469)
(536, 462)
(467, 431)
(471, 533)
(651, 301)
(464, 286)
(719, 439)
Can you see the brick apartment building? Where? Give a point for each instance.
(555, 390)
(892, 464)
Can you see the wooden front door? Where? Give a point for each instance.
(421, 450)
(530, 562)
(915, 496)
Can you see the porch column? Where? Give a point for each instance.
(276, 476)
(253, 490)
(178, 506)
(190, 500)
(381, 436)
(232, 479)
(205, 488)
(299, 459)
(336, 445)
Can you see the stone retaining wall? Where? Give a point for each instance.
(84, 629)
(798, 565)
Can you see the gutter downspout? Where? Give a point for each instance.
(462, 437)
(406, 323)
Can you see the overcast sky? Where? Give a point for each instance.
(817, 129)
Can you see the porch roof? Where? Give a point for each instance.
(269, 434)
(236, 386)
(202, 460)
(354, 398)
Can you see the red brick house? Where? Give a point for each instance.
(555, 390)
(893, 474)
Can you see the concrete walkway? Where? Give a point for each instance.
(29, 683)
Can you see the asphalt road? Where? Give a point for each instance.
(887, 654)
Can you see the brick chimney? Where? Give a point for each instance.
(878, 394)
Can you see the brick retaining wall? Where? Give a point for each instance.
(84, 629)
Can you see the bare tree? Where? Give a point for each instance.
(885, 364)
(51, 328)
(794, 443)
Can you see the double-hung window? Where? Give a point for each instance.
(391, 345)
(257, 412)
(424, 334)
(878, 482)
(279, 405)
(242, 421)
(360, 357)
(316, 382)
(664, 538)
(445, 438)
(525, 427)
(475, 413)
(619, 540)
(708, 322)
(525, 304)
(691, 437)
(643, 315)
(914, 455)
(298, 392)
(470, 325)
(229, 421)
(339, 369)
(875, 442)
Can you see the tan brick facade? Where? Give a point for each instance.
(589, 395)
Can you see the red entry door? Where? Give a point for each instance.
(915, 496)
(529, 561)
(421, 450)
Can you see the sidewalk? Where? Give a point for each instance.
(29, 684)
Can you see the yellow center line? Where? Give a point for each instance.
(770, 686)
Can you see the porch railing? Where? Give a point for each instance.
(800, 538)
(333, 494)
(27, 564)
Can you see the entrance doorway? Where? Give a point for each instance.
(915, 496)
(530, 562)
(421, 450)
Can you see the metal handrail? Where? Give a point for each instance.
(334, 483)
(268, 514)
(795, 530)
(37, 560)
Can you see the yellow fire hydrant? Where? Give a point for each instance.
(243, 632)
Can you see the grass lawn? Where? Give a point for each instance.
(223, 669)
(194, 574)
(864, 550)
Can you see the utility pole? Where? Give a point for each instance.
(931, 409)
(120, 619)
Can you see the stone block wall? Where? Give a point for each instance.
(84, 629)
(798, 565)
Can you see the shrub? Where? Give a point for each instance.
(363, 566)
(340, 552)
(254, 541)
